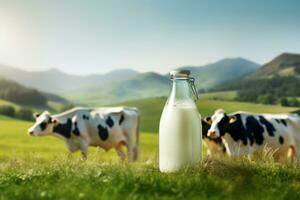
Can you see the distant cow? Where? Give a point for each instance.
(83, 127)
(245, 133)
(215, 146)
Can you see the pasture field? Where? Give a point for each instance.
(39, 168)
(151, 109)
(223, 95)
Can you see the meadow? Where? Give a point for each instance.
(39, 168)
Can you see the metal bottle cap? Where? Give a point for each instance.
(180, 73)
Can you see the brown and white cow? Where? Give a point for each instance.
(244, 133)
(107, 127)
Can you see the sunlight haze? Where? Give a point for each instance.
(83, 37)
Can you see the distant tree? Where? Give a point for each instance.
(284, 102)
(265, 90)
(7, 110)
(266, 99)
(293, 102)
(25, 114)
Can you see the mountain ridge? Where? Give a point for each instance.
(126, 84)
(284, 64)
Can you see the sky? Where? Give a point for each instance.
(98, 36)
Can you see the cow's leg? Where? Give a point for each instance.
(72, 147)
(120, 150)
(292, 154)
(132, 148)
(84, 148)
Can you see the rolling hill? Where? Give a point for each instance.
(54, 80)
(275, 82)
(151, 84)
(213, 74)
(125, 84)
(286, 64)
(19, 97)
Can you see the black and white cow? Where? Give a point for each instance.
(214, 146)
(83, 127)
(244, 133)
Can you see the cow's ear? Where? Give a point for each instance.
(36, 115)
(232, 119)
(208, 120)
(54, 121)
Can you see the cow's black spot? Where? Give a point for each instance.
(223, 125)
(238, 132)
(103, 132)
(253, 128)
(43, 126)
(85, 117)
(269, 126)
(76, 130)
(121, 119)
(64, 129)
(283, 122)
(205, 128)
(109, 122)
(277, 120)
(281, 140)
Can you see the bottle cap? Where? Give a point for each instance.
(180, 73)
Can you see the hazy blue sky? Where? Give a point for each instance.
(147, 35)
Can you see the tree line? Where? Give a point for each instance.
(277, 89)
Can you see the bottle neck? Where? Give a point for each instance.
(180, 90)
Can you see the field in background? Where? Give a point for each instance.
(151, 109)
(226, 95)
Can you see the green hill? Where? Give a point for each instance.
(20, 102)
(286, 64)
(26, 96)
(54, 80)
(273, 83)
(213, 74)
(145, 85)
(17, 93)
(141, 86)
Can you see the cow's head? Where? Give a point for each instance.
(44, 124)
(206, 123)
(220, 124)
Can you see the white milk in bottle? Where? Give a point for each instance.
(180, 131)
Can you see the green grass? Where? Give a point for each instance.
(287, 71)
(226, 95)
(39, 168)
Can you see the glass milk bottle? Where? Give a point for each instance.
(180, 130)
